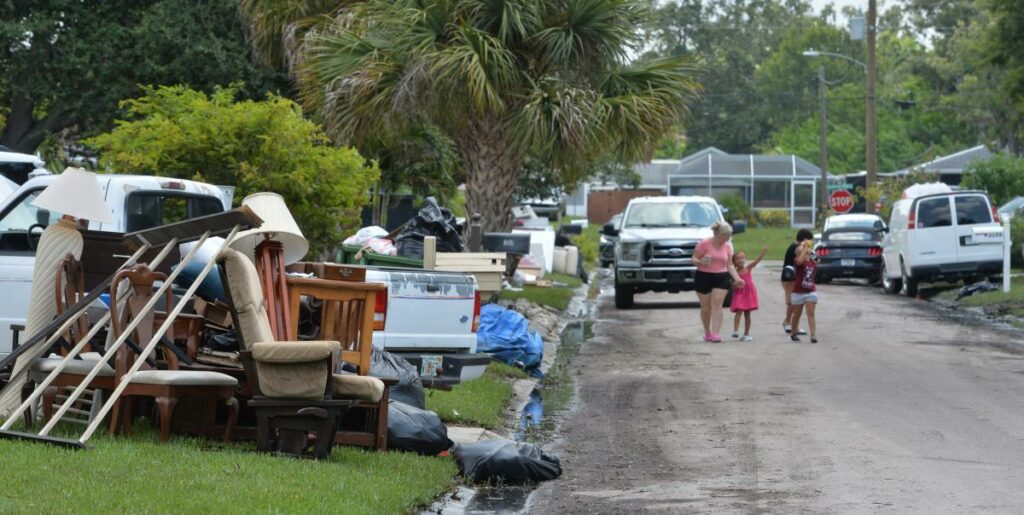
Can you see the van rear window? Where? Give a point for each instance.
(934, 212)
(972, 209)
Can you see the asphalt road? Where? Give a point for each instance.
(899, 409)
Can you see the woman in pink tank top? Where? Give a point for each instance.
(715, 276)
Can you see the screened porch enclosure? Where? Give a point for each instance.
(765, 182)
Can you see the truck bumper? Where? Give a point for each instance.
(455, 367)
(657, 278)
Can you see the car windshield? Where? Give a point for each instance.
(670, 214)
(1012, 206)
(852, 223)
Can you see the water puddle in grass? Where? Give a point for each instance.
(537, 424)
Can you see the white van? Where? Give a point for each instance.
(940, 236)
(136, 203)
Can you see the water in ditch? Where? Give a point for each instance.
(537, 424)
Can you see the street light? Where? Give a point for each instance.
(870, 133)
(819, 53)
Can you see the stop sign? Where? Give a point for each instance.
(841, 201)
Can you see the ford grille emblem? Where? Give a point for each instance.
(675, 252)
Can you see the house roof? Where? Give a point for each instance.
(953, 163)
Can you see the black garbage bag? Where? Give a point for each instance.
(416, 430)
(506, 460)
(431, 220)
(409, 389)
(978, 287)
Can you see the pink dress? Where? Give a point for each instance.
(745, 298)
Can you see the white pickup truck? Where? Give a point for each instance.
(428, 317)
(136, 202)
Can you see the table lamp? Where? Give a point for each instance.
(272, 246)
(77, 196)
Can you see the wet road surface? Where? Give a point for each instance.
(898, 409)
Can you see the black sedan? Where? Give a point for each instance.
(607, 246)
(850, 247)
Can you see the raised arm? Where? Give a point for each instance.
(760, 256)
(802, 254)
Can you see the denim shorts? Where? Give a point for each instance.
(799, 299)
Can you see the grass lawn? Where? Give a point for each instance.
(478, 402)
(777, 239)
(138, 474)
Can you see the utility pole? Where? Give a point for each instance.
(871, 132)
(822, 145)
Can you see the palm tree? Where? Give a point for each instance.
(502, 78)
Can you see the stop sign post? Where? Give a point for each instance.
(841, 201)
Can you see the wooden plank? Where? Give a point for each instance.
(468, 262)
(472, 255)
(192, 229)
(470, 268)
(429, 253)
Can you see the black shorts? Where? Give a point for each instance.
(704, 282)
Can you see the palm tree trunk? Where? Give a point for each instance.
(492, 169)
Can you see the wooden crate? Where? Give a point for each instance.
(487, 267)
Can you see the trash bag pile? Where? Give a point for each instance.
(431, 220)
(506, 336)
(505, 460)
(373, 237)
(409, 389)
(415, 430)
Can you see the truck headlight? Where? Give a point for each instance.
(631, 252)
(604, 240)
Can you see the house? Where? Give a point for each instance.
(783, 182)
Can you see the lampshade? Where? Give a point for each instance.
(278, 224)
(75, 193)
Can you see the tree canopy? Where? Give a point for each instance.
(257, 146)
(66, 65)
(501, 79)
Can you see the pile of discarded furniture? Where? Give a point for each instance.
(146, 353)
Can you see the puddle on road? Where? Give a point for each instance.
(537, 424)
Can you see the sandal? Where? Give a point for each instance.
(794, 337)
(814, 339)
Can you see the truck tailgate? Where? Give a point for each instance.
(428, 310)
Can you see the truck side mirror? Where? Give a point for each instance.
(609, 229)
(43, 217)
(739, 226)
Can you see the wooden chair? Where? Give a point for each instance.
(70, 288)
(251, 321)
(347, 316)
(166, 387)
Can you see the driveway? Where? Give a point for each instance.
(898, 409)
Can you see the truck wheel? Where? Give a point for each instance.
(909, 283)
(890, 285)
(623, 296)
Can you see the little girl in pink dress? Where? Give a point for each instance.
(744, 298)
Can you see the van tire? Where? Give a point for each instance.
(909, 283)
(890, 285)
(623, 296)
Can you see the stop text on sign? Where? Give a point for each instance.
(841, 201)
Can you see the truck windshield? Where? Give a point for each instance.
(666, 214)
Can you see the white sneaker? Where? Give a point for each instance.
(747, 338)
(787, 328)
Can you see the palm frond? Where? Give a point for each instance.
(277, 27)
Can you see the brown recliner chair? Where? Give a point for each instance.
(294, 382)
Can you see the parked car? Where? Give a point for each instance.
(549, 207)
(657, 236)
(850, 246)
(136, 203)
(1012, 208)
(607, 245)
(941, 236)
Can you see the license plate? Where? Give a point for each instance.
(848, 262)
(431, 366)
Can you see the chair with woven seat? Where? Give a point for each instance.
(257, 343)
(166, 387)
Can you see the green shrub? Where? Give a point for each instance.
(737, 206)
(773, 218)
(1017, 238)
(588, 242)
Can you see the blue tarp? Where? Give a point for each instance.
(506, 335)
